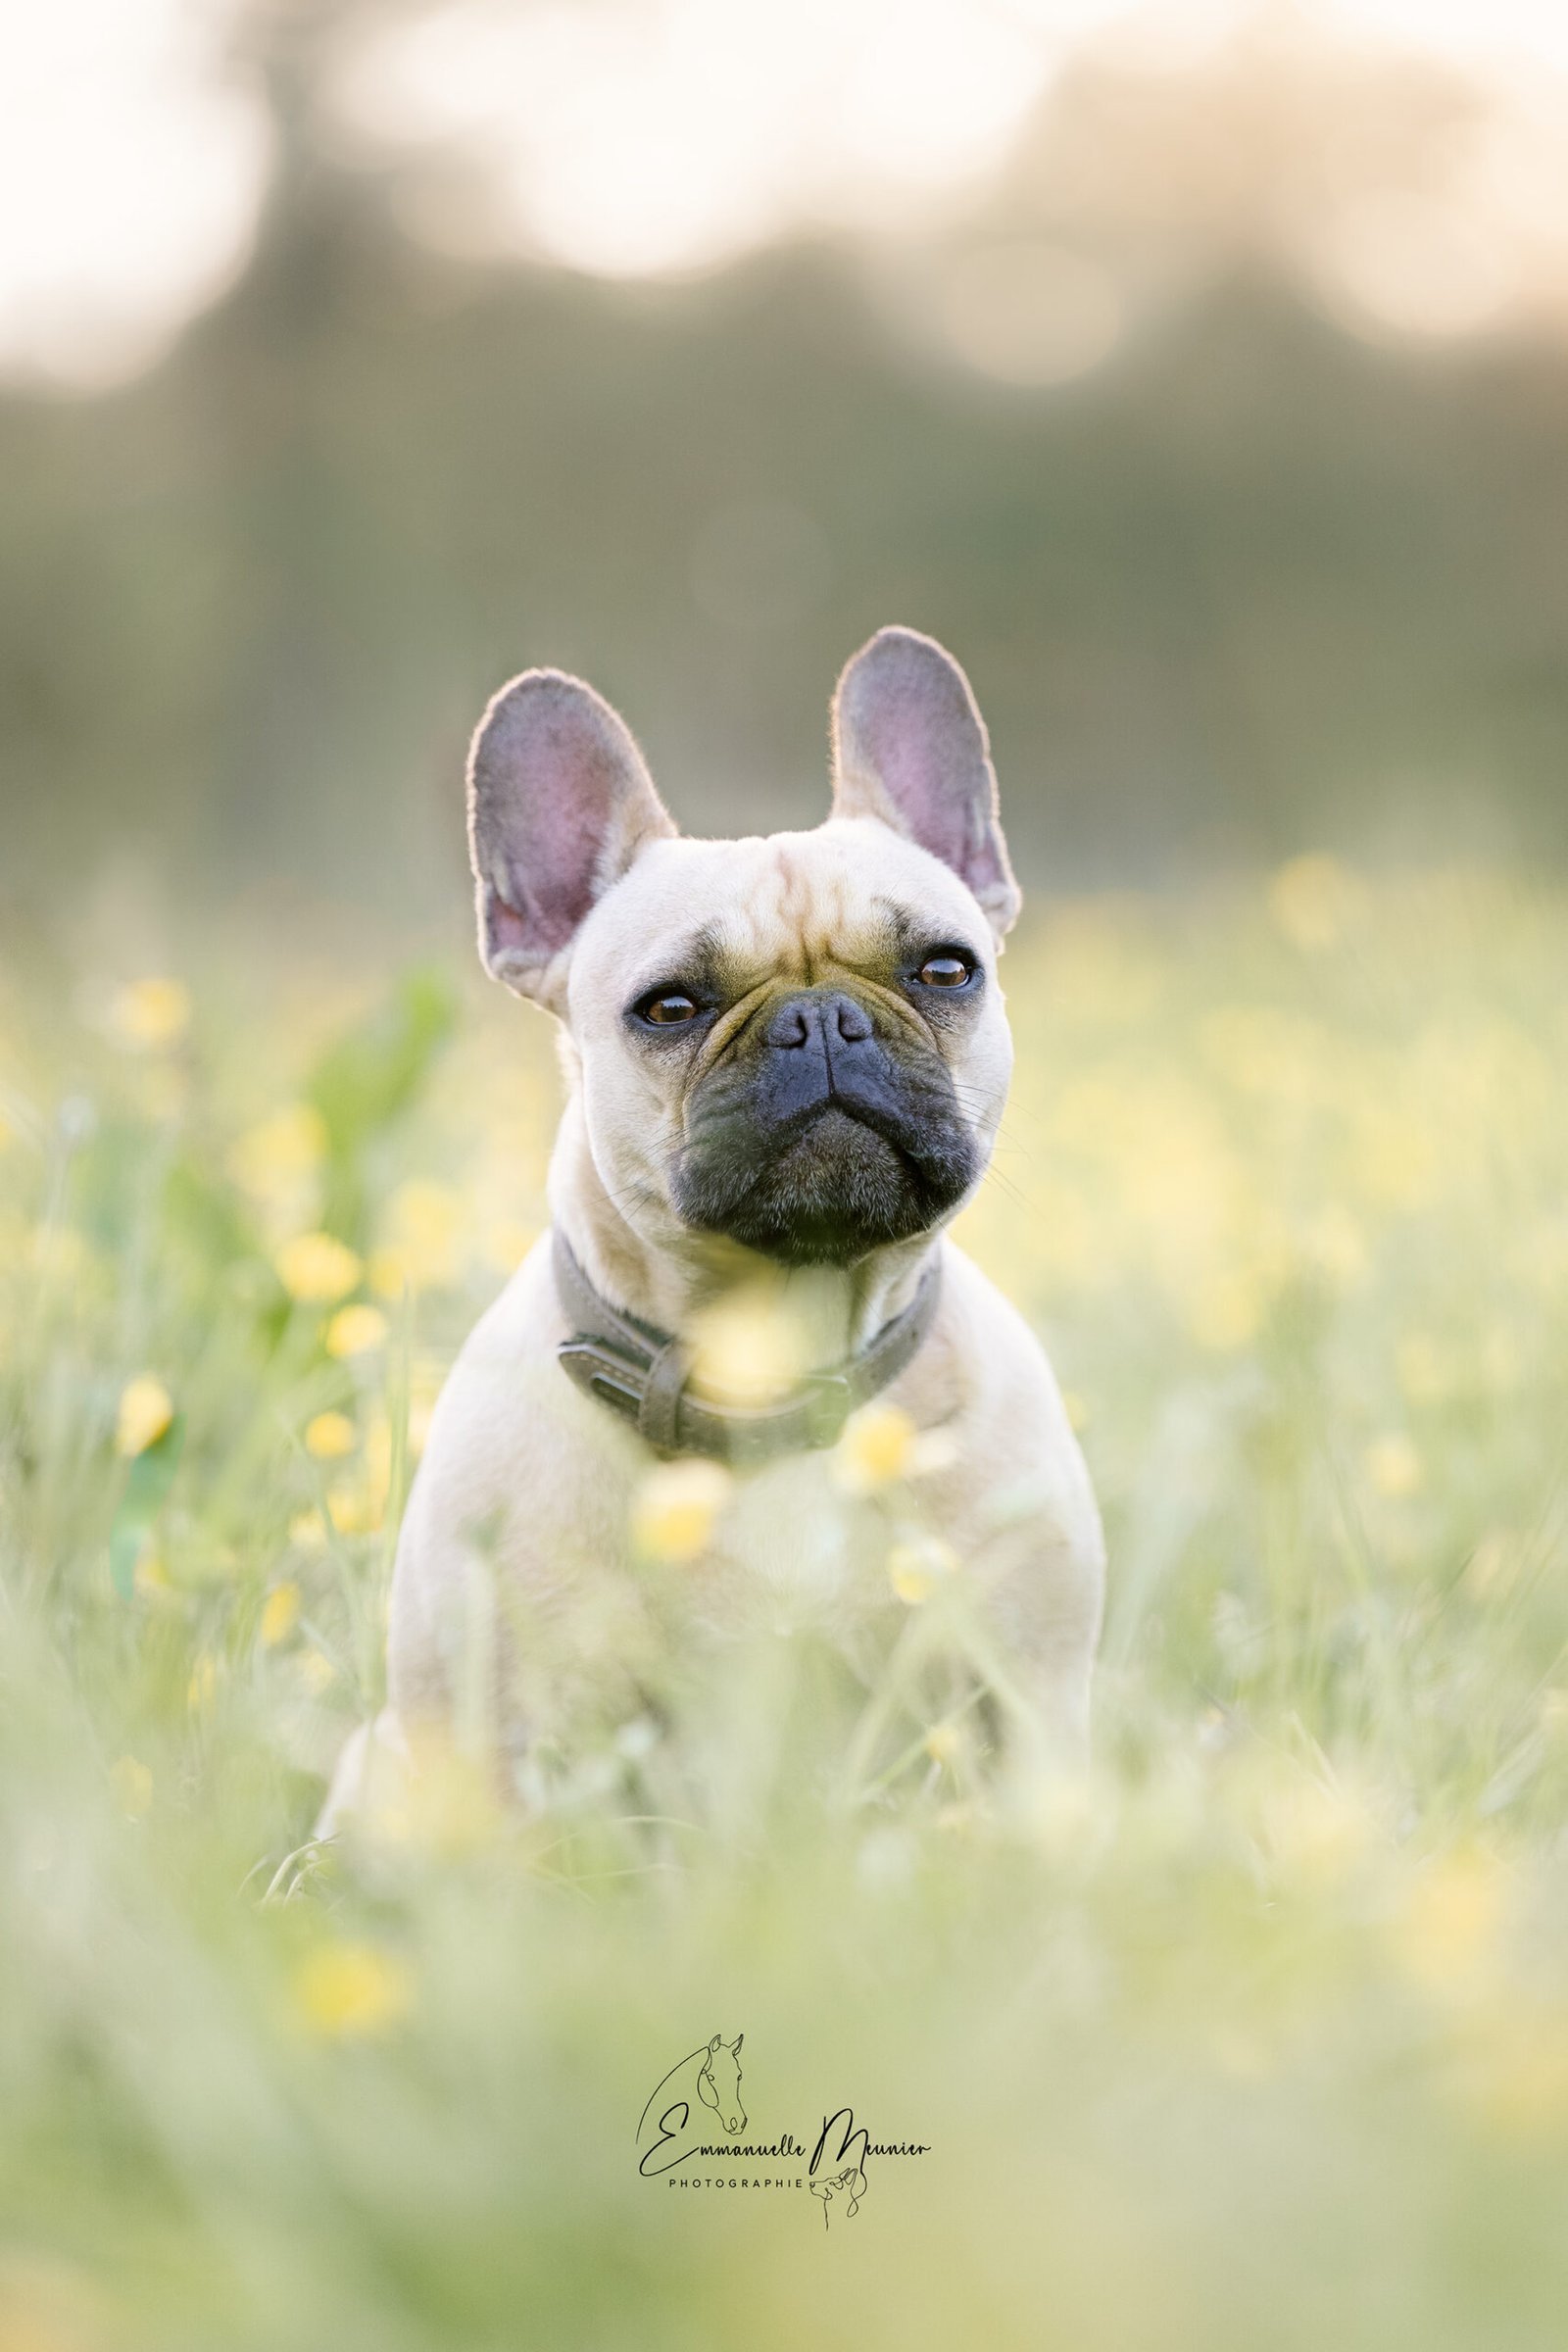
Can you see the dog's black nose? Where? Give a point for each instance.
(823, 1019)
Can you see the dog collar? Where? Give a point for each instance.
(642, 1373)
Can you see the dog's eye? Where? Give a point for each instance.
(945, 971)
(673, 1006)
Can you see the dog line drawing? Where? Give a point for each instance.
(848, 2186)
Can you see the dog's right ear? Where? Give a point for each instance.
(559, 802)
(911, 748)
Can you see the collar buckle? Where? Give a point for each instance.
(604, 1372)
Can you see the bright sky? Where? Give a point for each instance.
(631, 137)
(129, 179)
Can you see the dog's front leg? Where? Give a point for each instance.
(1026, 1604)
(1041, 1597)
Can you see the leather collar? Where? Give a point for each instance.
(641, 1373)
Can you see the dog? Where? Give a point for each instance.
(786, 1060)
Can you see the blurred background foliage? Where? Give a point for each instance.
(1246, 519)
(1258, 2039)
(1196, 368)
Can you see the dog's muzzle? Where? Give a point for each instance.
(824, 1136)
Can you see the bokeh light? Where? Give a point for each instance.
(666, 137)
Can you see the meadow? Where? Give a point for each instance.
(1258, 2037)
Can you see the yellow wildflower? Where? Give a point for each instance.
(751, 1346)
(676, 1507)
(347, 1991)
(354, 1509)
(355, 1331)
(281, 1612)
(146, 1410)
(1393, 1466)
(916, 1566)
(316, 1671)
(944, 1742)
(330, 1436)
(202, 1689)
(280, 1149)
(152, 1013)
(1449, 1926)
(317, 1268)
(132, 1784)
(877, 1446)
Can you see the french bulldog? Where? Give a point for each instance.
(786, 1058)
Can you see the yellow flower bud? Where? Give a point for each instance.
(1393, 1466)
(676, 1507)
(916, 1566)
(146, 1409)
(329, 1436)
(877, 1446)
(347, 1991)
(281, 1612)
(355, 1331)
(151, 1013)
(317, 1268)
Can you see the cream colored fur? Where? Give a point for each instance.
(526, 1487)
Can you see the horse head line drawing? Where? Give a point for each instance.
(708, 2076)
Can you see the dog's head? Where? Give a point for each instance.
(797, 1043)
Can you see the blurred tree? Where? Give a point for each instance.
(1248, 584)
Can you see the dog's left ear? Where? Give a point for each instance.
(559, 802)
(910, 746)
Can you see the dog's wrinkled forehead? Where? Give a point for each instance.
(788, 907)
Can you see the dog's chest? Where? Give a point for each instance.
(791, 1549)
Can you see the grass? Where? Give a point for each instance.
(1259, 2040)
